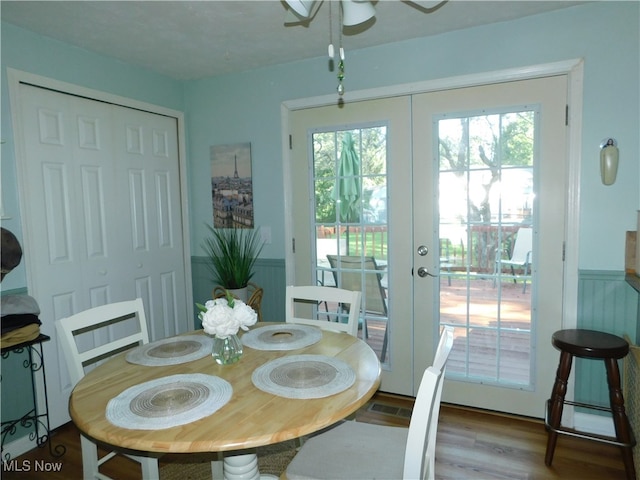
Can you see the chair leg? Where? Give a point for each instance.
(556, 404)
(149, 467)
(620, 420)
(383, 354)
(495, 273)
(89, 458)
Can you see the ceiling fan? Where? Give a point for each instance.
(354, 12)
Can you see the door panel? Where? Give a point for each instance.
(392, 117)
(494, 384)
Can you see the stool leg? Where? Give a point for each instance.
(620, 420)
(557, 403)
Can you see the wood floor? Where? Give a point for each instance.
(471, 445)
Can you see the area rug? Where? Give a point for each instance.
(272, 459)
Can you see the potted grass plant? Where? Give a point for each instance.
(232, 256)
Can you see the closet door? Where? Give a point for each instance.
(100, 205)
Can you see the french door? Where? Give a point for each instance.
(464, 170)
(494, 157)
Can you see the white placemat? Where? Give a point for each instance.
(304, 376)
(282, 337)
(171, 351)
(168, 401)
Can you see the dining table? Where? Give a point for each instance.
(170, 396)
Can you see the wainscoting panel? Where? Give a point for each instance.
(269, 274)
(608, 304)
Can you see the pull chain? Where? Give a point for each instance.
(331, 52)
(341, 63)
(341, 73)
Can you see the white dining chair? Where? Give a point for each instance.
(87, 338)
(301, 298)
(367, 451)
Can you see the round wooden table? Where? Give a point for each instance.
(250, 419)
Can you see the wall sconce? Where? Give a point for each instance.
(608, 161)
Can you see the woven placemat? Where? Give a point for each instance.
(168, 401)
(282, 337)
(304, 376)
(171, 351)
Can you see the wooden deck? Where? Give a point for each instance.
(482, 341)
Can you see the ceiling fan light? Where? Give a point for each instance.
(300, 7)
(356, 12)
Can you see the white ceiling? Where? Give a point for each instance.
(195, 39)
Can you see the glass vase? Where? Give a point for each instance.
(226, 350)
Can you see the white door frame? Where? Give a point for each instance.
(17, 77)
(573, 68)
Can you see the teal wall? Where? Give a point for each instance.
(246, 107)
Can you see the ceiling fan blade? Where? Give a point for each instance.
(302, 8)
(355, 12)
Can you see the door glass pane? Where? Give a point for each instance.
(350, 211)
(486, 200)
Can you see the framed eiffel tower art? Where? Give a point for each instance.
(231, 186)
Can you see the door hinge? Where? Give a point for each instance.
(564, 250)
(290, 142)
(293, 245)
(566, 115)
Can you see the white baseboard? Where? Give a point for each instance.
(597, 424)
(19, 447)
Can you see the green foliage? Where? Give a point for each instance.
(371, 149)
(232, 253)
(517, 139)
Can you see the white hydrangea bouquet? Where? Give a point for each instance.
(224, 316)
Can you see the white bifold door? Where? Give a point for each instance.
(101, 208)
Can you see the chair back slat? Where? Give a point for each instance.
(104, 330)
(313, 296)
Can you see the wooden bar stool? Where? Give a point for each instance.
(600, 346)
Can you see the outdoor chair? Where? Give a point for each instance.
(310, 296)
(521, 257)
(353, 449)
(78, 335)
(348, 273)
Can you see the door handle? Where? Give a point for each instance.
(424, 272)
